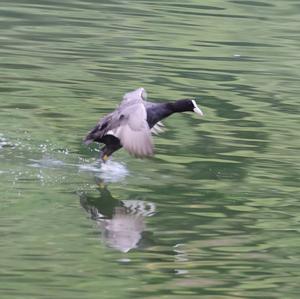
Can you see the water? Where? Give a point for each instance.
(215, 214)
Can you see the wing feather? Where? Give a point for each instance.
(100, 129)
(128, 123)
(158, 128)
(134, 132)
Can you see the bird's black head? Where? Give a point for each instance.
(185, 106)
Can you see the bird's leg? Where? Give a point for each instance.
(104, 158)
(112, 144)
(104, 155)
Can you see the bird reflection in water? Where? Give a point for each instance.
(121, 222)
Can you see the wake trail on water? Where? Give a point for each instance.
(56, 161)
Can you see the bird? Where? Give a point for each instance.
(132, 123)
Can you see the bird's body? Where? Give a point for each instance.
(133, 122)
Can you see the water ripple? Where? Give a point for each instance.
(213, 214)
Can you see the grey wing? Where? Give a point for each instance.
(138, 95)
(112, 120)
(134, 132)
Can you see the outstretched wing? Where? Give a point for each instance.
(134, 132)
(128, 123)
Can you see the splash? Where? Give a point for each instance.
(5, 143)
(46, 162)
(111, 171)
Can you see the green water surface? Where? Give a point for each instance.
(214, 215)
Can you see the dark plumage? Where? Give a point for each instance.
(132, 123)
